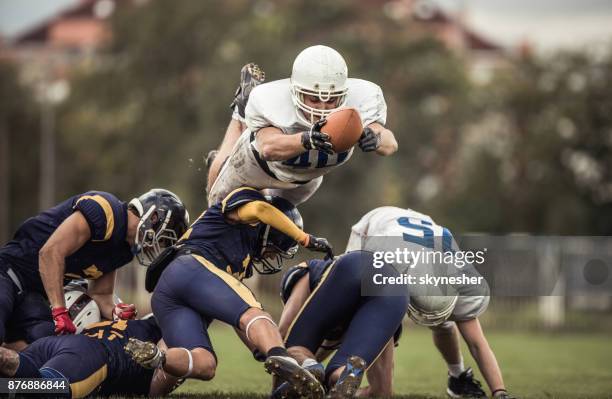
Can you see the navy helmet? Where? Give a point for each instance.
(163, 220)
(275, 246)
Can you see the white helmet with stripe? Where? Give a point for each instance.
(83, 310)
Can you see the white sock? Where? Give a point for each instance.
(456, 369)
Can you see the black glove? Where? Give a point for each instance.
(314, 139)
(319, 245)
(369, 140)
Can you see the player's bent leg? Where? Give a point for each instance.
(461, 381)
(8, 296)
(232, 133)
(240, 169)
(83, 361)
(31, 318)
(446, 339)
(196, 363)
(345, 381)
(260, 329)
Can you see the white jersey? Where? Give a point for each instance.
(390, 221)
(270, 104)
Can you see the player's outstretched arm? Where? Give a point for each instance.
(481, 352)
(274, 145)
(71, 235)
(233, 132)
(386, 143)
(101, 291)
(261, 211)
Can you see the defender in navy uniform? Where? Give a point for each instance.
(203, 283)
(323, 304)
(94, 362)
(87, 236)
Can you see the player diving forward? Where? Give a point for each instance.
(202, 282)
(445, 315)
(323, 303)
(87, 236)
(282, 148)
(94, 362)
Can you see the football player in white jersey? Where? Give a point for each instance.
(282, 148)
(446, 315)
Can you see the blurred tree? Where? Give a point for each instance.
(18, 157)
(539, 159)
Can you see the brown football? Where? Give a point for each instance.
(344, 128)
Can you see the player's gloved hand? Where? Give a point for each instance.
(314, 139)
(63, 324)
(319, 244)
(369, 140)
(124, 311)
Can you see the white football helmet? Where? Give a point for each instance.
(82, 309)
(431, 310)
(319, 71)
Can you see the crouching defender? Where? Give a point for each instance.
(445, 315)
(94, 362)
(89, 236)
(202, 282)
(324, 301)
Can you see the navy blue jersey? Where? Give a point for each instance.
(106, 250)
(124, 374)
(314, 268)
(230, 246)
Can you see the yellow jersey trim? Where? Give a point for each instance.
(85, 387)
(312, 294)
(108, 211)
(227, 197)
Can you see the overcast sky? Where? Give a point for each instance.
(548, 24)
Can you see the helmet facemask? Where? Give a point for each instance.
(428, 316)
(153, 235)
(275, 248)
(309, 114)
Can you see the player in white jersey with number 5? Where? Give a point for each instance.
(282, 147)
(387, 228)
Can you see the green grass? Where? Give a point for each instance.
(534, 366)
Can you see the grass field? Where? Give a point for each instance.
(534, 366)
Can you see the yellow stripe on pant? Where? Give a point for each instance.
(85, 387)
(240, 289)
(312, 294)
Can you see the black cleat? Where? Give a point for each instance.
(146, 354)
(251, 76)
(301, 381)
(349, 380)
(465, 386)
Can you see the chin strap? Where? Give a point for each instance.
(253, 320)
